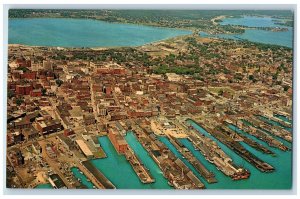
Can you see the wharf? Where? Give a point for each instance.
(96, 176)
(288, 116)
(174, 170)
(283, 123)
(207, 175)
(256, 131)
(277, 131)
(249, 141)
(240, 150)
(141, 171)
(212, 152)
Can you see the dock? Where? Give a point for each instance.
(174, 170)
(256, 131)
(141, 171)
(207, 175)
(249, 141)
(98, 179)
(281, 122)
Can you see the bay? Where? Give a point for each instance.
(281, 38)
(84, 33)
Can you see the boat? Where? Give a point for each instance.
(244, 174)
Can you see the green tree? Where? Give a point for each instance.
(19, 101)
(285, 88)
(220, 93)
(10, 93)
(44, 91)
(59, 82)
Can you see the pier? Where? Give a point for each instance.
(214, 154)
(247, 140)
(281, 122)
(239, 149)
(141, 171)
(98, 179)
(173, 169)
(207, 175)
(252, 127)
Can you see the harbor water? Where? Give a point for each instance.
(44, 186)
(118, 170)
(281, 178)
(83, 179)
(283, 118)
(172, 148)
(160, 181)
(84, 33)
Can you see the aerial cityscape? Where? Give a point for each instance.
(149, 99)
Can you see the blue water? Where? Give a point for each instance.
(82, 177)
(262, 36)
(44, 186)
(286, 143)
(283, 118)
(84, 33)
(118, 170)
(272, 122)
(160, 181)
(281, 178)
(250, 21)
(172, 148)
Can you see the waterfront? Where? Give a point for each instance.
(258, 180)
(93, 33)
(116, 164)
(160, 181)
(84, 33)
(44, 186)
(172, 148)
(83, 179)
(109, 118)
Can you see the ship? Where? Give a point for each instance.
(241, 174)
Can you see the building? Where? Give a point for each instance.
(48, 126)
(47, 64)
(23, 89)
(85, 149)
(30, 133)
(56, 182)
(36, 93)
(118, 141)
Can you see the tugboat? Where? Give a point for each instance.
(241, 174)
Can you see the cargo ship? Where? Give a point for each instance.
(241, 174)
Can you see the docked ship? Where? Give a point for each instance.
(241, 174)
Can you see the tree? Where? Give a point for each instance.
(59, 82)
(10, 93)
(251, 77)
(44, 91)
(24, 69)
(274, 77)
(285, 88)
(220, 93)
(19, 101)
